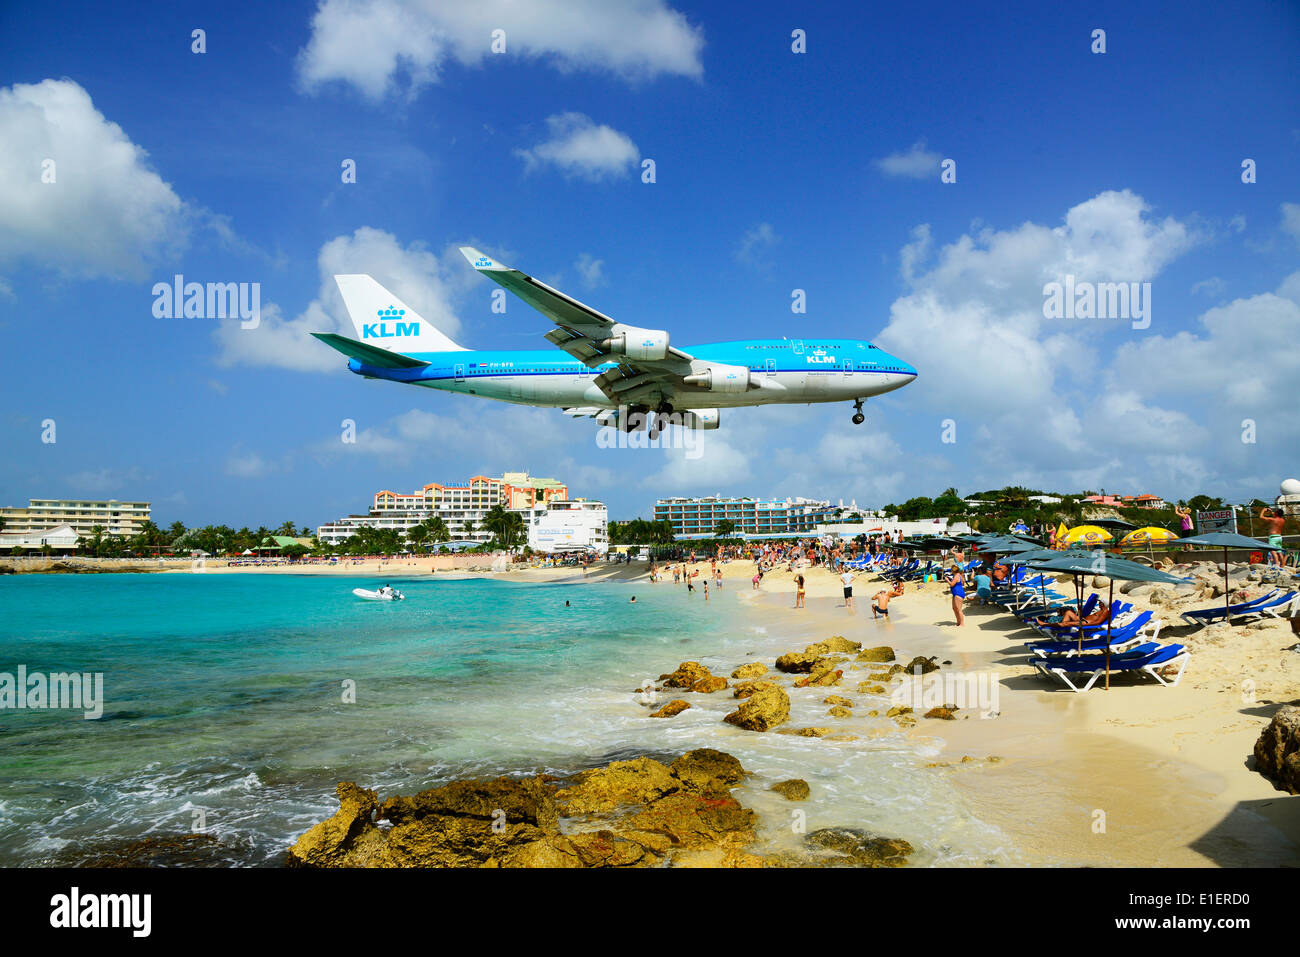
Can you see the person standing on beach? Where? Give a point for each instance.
(706, 589)
(847, 580)
(717, 578)
(758, 577)
(1275, 523)
(957, 584)
(1186, 517)
(798, 591)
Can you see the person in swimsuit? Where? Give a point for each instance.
(956, 580)
(798, 591)
(1276, 523)
(880, 600)
(1186, 517)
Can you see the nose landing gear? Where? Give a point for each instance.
(858, 417)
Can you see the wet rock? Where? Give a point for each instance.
(806, 732)
(762, 710)
(925, 664)
(754, 669)
(331, 842)
(897, 710)
(861, 848)
(946, 712)
(1277, 752)
(671, 709)
(686, 675)
(710, 684)
(821, 679)
(840, 712)
(707, 771)
(866, 687)
(837, 699)
(882, 653)
(836, 643)
(639, 781)
(744, 689)
(795, 789)
(696, 820)
(796, 662)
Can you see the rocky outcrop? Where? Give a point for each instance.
(1277, 752)
(946, 712)
(672, 709)
(837, 644)
(686, 675)
(837, 699)
(754, 669)
(925, 664)
(860, 849)
(882, 653)
(795, 789)
(710, 684)
(796, 662)
(636, 813)
(744, 689)
(762, 711)
(839, 711)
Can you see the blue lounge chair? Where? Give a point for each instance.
(1094, 666)
(1206, 616)
(1139, 629)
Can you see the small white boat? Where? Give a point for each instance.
(368, 595)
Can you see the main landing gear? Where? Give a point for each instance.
(858, 417)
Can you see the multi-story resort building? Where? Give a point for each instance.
(461, 507)
(700, 516)
(52, 520)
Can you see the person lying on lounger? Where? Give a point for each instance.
(1071, 617)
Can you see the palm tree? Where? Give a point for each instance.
(437, 529)
(506, 526)
(417, 534)
(724, 528)
(287, 529)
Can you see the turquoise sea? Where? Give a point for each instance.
(224, 706)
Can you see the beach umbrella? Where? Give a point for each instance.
(1142, 536)
(1115, 524)
(1226, 540)
(1147, 536)
(1061, 532)
(1099, 563)
(1086, 534)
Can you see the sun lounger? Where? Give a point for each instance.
(1206, 616)
(1093, 667)
(1139, 629)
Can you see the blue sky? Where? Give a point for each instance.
(774, 171)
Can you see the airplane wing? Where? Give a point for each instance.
(649, 368)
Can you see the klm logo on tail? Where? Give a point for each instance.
(379, 330)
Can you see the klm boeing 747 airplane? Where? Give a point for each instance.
(620, 375)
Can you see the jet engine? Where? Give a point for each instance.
(636, 343)
(705, 419)
(721, 378)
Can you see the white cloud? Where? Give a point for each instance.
(247, 465)
(591, 270)
(375, 45)
(422, 280)
(578, 147)
(915, 163)
(1214, 286)
(756, 241)
(1291, 220)
(497, 435)
(107, 214)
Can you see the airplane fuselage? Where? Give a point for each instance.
(787, 371)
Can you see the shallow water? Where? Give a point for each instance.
(224, 702)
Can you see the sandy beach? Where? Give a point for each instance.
(1140, 775)
(1137, 775)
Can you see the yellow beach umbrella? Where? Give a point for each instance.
(1087, 535)
(1141, 536)
(1061, 532)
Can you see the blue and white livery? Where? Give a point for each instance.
(618, 374)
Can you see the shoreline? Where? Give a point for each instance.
(1167, 773)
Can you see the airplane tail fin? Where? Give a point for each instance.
(383, 320)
